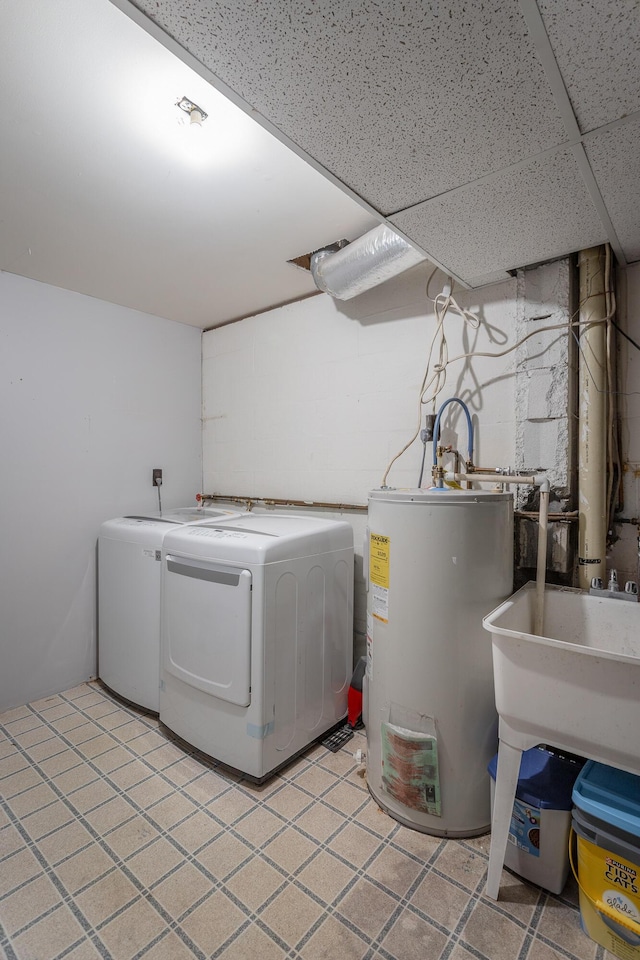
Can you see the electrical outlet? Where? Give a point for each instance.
(157, 477)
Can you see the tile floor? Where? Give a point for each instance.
(116, 843)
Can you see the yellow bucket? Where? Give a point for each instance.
(609, 885)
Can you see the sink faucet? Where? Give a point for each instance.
(612, 589)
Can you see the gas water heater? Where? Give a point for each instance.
(438, 562)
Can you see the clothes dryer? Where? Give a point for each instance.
(129, 567)
(257, 636)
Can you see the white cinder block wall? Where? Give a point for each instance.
(310, 401)
(92, 397)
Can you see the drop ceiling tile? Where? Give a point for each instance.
(499, 276)
(615, 161)
(197, 229)
(534, 212)
(597, 46)
(400, 101)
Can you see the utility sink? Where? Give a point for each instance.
(576, 687)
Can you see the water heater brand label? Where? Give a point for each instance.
(379, 548)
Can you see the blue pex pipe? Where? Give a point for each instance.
(436, 430)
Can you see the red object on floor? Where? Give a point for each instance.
(354, 706)
(354, 697)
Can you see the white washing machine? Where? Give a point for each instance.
(257, 636)
(129, 570)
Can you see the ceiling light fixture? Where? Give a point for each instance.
(196, 114)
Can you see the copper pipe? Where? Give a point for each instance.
(277, 502)
(569, 517)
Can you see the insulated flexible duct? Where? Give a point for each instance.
(371, 259)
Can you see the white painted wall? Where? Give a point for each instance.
(312, 400)
(309, 401)
(92, 397)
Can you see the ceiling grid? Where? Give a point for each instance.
(490, 134)
(430, 111)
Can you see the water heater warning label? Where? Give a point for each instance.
(379, 547)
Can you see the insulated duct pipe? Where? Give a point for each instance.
(371, 259)
(592, 418)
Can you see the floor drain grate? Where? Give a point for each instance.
(338, 739)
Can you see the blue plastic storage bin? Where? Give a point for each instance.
(541, 818)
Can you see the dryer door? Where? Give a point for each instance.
(206, 638)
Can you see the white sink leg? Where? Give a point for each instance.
(505, 791)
